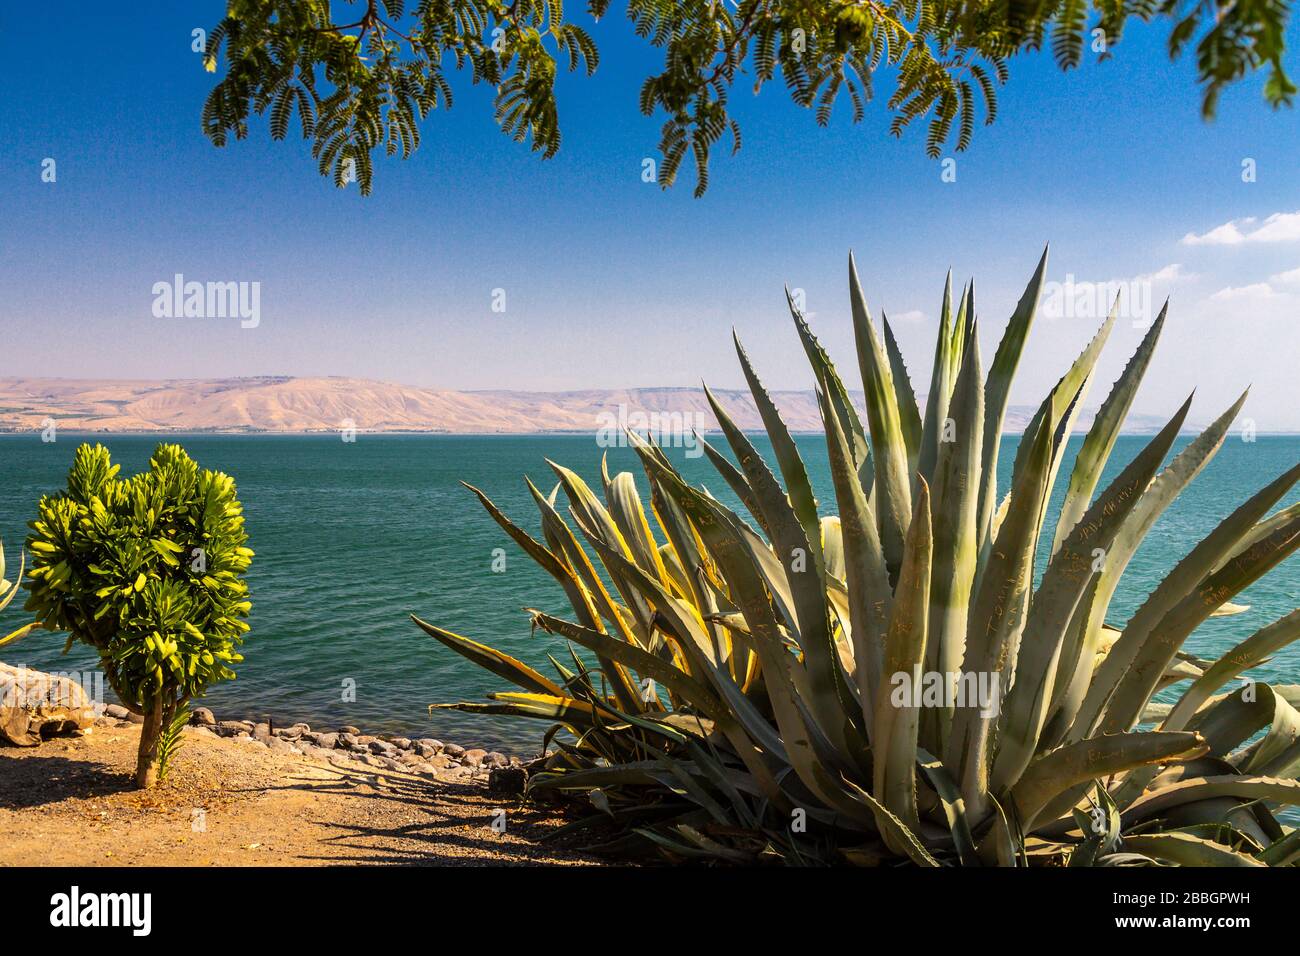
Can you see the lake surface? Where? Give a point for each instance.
(353, 537)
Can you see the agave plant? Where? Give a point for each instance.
(799, 684)
(8, 591)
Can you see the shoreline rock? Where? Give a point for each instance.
(425, 755)
(37, 713)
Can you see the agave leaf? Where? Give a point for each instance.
(869, 595)
(1228, 609)
(898, 835)
(909, 417)
(1067, 577)
(1096, 448)
(889, 450)
(588, 506)
(963, 328)
(1064, 402)
(941, 388)
(805, 742)
(1160, 801)
(1261, 530)
(489, 658)
(831, 383)
(628, 513)
(1187, 850)
(679, 682)
(686, 552)
(832, 535)
(1081, 696)
(682, 619)
(997, 392)
(1102, 832)
(576, 714)
(1116, 670)
(1087, 760)
(1283, 852)
(1249, 653)
(956, 538)
(8, 591)
(1164, 638)
(592, 513)
(14, 636)
(629, 655)
(995, 621)
(596, 602)
(534, 549)
(1235, 717)
(800, 494)
(830, 699)
(954, 810)
(1002, 844)
(898, 716)
(734, 479)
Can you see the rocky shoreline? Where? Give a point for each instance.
(424, 756)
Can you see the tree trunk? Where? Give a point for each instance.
(151, 731)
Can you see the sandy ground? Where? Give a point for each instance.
(71, 802)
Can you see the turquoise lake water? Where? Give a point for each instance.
(353, 537)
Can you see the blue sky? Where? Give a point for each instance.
(609, 281)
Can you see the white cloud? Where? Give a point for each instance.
(1257, 290)
(1170, 273)
(915, 315)
(1279, 227)
(1290, 277)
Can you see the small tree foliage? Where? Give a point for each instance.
(111, 566)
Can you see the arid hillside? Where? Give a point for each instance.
(286, 404)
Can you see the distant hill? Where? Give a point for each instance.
(282, 404)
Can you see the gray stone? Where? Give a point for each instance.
(452, 750)
(324, 741)
(117, 712)
(401, 743)
(349, 729)
(427, 746)
(202, 717)
(473, 757)
(382, 747)
(494, 759)
(262, 731)
(347, 740)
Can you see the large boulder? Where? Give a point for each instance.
(35, 705)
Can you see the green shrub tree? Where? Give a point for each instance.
(149, 571)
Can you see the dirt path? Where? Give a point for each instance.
(70, 802)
